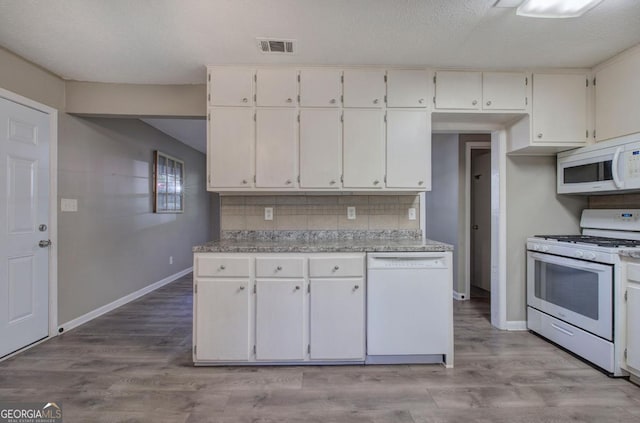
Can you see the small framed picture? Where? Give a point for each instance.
(168, 178)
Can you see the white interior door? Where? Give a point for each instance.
(24, 195)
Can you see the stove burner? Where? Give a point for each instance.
(595, 240)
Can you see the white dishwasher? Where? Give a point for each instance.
(409, 308)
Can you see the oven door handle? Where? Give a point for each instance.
(560, 329)
(568, 262)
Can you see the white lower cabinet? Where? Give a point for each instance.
(280, 319)
(336, 319)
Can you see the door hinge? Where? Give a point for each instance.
(526, 101)
(625, 353)
(195, 350)
(385, 117)
(298, 98)
(298, 178)
(434, 79)
(526, 80)
(255, 98)
(209, 97)
(309, 289)
(341, 178)
(209, 117)
(254, 289)
(587, 82)
(254, 349)
(385, 98)
(385, 78)
(255, 77)
(209, 178)
(298, 77)
(625, 295)
(195, 288)
(308, 348)
(254, 117)
(298, 117)
(587, 134)
(255, 179)
(209, 77)
(434, 99)
(342, 117)
(341, 99)
(385, 179)
(594, 82)
(594, 133)
(342, 79)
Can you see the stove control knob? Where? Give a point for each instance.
(590, 256)
(579, 254)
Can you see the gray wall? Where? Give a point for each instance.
(115, 244)
(442, 202)
(533, 207)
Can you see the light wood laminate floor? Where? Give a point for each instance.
(134, 365)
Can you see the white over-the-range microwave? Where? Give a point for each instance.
(603, 168)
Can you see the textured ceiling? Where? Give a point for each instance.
(170, 41)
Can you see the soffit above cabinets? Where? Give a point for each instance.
(169, 43)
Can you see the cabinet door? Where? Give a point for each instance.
(408, 149)
(363, 148)
(276, 152)
(407, 88)
(617, 94)
(230, 148)
(222, 320)
(364, 88)
(559, 108)
(337, 319)
(320, 87)
(280, 319)
(504, 90)
(458, 90)
(320, 148)
(231, 87)
(277, 87)
(633, 326)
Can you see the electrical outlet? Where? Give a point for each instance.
(170, 259)
(351, 213)
(412, 213)
(268, 213)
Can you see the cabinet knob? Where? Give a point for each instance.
(540, 135)
(244, 181)
(356, 287)
(420, 182)
(241, 288)
(288, 182)
(421, 101)
(332, 101)
(376, 182)
(297, 288)
(222, 267)
(489, 103)
(289, 100)
(336, 267)
(244, 100)
(333, 182)
(279, 268)
(474, 102)
(375, 101)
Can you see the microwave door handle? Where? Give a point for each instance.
(563, 262)
(614, 169)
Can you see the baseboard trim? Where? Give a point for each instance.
(72, 324)
(517, 325)
(458, 296)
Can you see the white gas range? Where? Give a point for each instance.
(574, 286)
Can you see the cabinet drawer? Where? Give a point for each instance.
(279, 267)
(218, 267)
(328, 267)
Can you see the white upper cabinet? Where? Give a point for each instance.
(363, 147)
(408, 149)
(407, 88)
(364, 88)
(320, 148)
(230, 147)
(617, 98)
(276, 148)
(231, 87)
(559, 108)
(277, 87)
(504, 91)
(320, 88)
(458, 90)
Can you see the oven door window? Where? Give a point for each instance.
(567, 287)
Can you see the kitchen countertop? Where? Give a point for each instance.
(324, 246)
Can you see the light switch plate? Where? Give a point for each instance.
(68, 205)
(412, 213)
(351, 213)
(268, 213)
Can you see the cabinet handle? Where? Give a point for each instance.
(420, 182)
(244, 100)
(474, 102)
(289, 100)
(222, 267)
(376, 182)
(336, 267)
(333, 182)
(288, 182)
(421, 101)
(375, 101)
(489, 103)
(242, 288)
(540, 135)
(332, 101)
(279, 268)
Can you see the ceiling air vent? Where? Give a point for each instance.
(273, 46)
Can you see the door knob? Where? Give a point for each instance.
(44, 243)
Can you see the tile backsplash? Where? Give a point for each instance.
(319, 212)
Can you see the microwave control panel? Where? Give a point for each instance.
(632, 166)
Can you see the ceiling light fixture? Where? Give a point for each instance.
(555, 8)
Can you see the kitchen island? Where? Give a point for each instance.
(309, 297)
